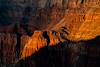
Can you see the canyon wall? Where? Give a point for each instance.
(58, 21)
(10, 48)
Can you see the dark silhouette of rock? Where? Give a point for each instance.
(72, 54)
(71, 25)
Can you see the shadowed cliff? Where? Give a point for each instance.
(65, 54)
(58, 21)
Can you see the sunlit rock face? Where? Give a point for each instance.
(90, 27)
(82, 26)
(80, 22)
(39, 40)
(57, 21)
(79, 26)
(56, 50)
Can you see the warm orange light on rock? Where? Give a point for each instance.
(36, 42)
(78, 23)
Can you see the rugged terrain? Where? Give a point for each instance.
(38, 28)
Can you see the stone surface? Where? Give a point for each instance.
(58, 21)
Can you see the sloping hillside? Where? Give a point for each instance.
(82, 24)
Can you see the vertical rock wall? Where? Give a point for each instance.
(8, 53)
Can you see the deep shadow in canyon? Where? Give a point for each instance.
(66, 54)
(20, 18)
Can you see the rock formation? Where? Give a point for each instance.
(37, 24)
(82, 25)
(78, 23)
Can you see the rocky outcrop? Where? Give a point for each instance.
(40, 40)
(59, 22)
(77, 24)
(67, 53)
(37, 41)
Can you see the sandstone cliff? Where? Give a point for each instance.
(78, 23)
(58, 21)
